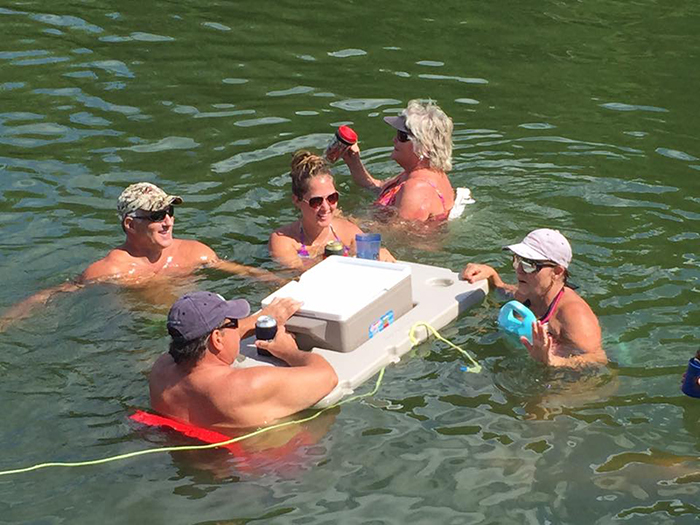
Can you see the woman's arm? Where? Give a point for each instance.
(283, 250)
(359, 173)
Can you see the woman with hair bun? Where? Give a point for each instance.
(423, 148)
(302, 243)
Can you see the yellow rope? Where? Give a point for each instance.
(476, 368)
(196, 447)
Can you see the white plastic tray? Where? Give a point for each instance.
(439, 297)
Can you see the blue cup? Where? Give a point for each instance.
(516, 319)
(692, 376)
(368, 245)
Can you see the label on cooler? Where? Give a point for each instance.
(381, 323)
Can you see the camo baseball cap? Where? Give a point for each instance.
(144, 196)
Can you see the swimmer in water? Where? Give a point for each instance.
(301, 244)
(150, 250)
(195, 383)
(423, 149)
(567, 332)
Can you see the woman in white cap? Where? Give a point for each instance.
(567, 332)
(423, 148)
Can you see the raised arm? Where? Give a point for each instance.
(359, 173)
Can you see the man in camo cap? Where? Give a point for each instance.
(149, 253)
(144, 196)
(147, 216)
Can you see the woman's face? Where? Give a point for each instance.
(320, 188)
(403, 152)
(534, 285)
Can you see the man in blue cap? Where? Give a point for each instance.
(194, 381)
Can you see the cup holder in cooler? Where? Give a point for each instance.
(440, 282)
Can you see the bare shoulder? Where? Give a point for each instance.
(345, 228)
(112, 266)
(194, 251)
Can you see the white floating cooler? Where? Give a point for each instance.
(346, 301)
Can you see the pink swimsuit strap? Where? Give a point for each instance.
(388, 196)
(303, 252)
(553, 306)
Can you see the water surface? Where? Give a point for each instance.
(576, 116)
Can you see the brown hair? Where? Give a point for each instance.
(306, 165)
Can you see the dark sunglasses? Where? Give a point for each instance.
(232, 323)
(530, 266)
(157, 216)
(402, 136)
(316, 202)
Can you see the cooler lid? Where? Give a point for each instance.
(339, 287)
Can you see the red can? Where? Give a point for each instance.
(343, 138)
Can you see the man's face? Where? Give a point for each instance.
(155, 226)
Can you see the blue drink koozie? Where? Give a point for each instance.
(516, 319)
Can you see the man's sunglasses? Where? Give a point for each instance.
(316, 202)
(530, 266)
(232, 323)
(157, 216)
(402, 136)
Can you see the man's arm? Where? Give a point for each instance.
(277, 392)
(280, 308)
(26, 307)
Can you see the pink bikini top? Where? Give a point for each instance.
(388, 197)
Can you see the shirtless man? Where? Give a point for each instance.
(567, 332)
(195, 383)
(150, 251)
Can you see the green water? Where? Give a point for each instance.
(576, 115)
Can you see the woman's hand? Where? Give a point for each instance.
(541, 345)
(477, 272)
(351, 154)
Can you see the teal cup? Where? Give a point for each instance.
(368, 245)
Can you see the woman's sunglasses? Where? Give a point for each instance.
(316, 202)
(157, 216)
(530, 266)
(402, 136)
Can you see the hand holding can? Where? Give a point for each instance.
(343, 138)
(265, 330)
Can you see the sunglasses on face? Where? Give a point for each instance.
(157, 216)
(316, 202)
(402, 136)
(530, 266)
(231, 323)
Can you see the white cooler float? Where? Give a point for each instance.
(358, 314)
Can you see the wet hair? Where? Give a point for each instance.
(187, 351)
(432, 132)
(305, 166)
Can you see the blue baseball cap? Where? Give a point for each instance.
(199, 313)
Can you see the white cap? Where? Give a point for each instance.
(544, 245)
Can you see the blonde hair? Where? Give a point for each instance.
(305, 166)
(432, 133)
